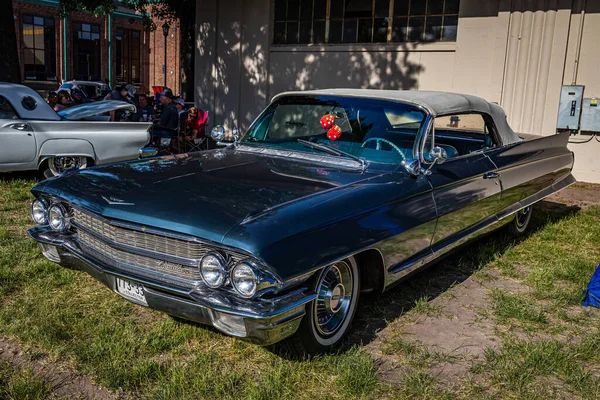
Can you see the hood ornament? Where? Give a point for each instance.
(115, 201)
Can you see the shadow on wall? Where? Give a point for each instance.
(244, 74)
(359, 68)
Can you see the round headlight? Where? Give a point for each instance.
(244, 279)
(217, 133)
(39, 214)
(57, 218)
(212, 268)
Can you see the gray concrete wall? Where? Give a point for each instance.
(517, 53)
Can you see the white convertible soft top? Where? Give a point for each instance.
(436, 103)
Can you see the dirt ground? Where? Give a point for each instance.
(457, 324)
(65, 382)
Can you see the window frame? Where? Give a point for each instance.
(126, 48)
(374, 17)
(17, 115)
(77, 74)
(489, 124)
(50, 52)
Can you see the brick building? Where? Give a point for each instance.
(82, 46)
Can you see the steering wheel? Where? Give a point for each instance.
(378, 145)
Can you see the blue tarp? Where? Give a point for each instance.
(592, 293)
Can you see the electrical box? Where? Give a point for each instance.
(569, 109)
(590, 115)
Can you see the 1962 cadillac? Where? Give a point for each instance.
(328, 195)
(34, 137)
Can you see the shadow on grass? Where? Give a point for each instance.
(375, 311)
(24, 175)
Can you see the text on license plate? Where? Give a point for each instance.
(131, 290)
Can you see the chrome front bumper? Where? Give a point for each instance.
(261, 321)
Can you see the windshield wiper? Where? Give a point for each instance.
(332, 151)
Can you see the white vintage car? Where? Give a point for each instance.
(34, 137)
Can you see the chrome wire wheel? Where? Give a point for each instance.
(334, 296)
(523, 217)
(518, 226)
(58, 165)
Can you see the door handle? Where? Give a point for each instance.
(491, 175)
(20, 127)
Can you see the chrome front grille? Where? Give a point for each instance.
(104, 238)
(141, 240)
(124, 257)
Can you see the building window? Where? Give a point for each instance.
(86, 50)
(128, 56)
(364, 21)
(39, 48)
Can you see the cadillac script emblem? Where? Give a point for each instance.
(168, 266)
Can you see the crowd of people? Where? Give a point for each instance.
(183, 129)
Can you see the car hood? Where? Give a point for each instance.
(202, 194)
(93, 109)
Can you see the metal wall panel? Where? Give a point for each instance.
(536, 44)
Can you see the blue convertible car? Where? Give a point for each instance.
(329, 194)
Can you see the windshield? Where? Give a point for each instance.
(373, 130)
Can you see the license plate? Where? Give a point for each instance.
(131, 291)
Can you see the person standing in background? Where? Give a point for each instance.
(145, 112)
(52, 98)
(63, 99)
(78, 98)
(182, 113)
(122, 93)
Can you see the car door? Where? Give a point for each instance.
(528, 167)
(17, 141)
(466, 188)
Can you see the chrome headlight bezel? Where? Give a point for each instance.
(221, 269)
(245, 270)
(44, 208)
(64, 224)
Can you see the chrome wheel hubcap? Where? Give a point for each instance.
(333, 298)
(522, 216)
(58, 165)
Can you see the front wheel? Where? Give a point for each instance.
(329, 316)
(520, 223)
(58, 165)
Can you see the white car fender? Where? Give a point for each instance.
(66, 147)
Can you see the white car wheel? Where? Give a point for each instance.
(520, 223)
(58, 165)
(329, 316)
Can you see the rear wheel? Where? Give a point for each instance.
(519, 224)
(57, 165)
(329, 316)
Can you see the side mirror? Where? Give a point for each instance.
(438, 155)
(217, 133)
(412, 166)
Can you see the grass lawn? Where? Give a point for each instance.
(540, 342)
